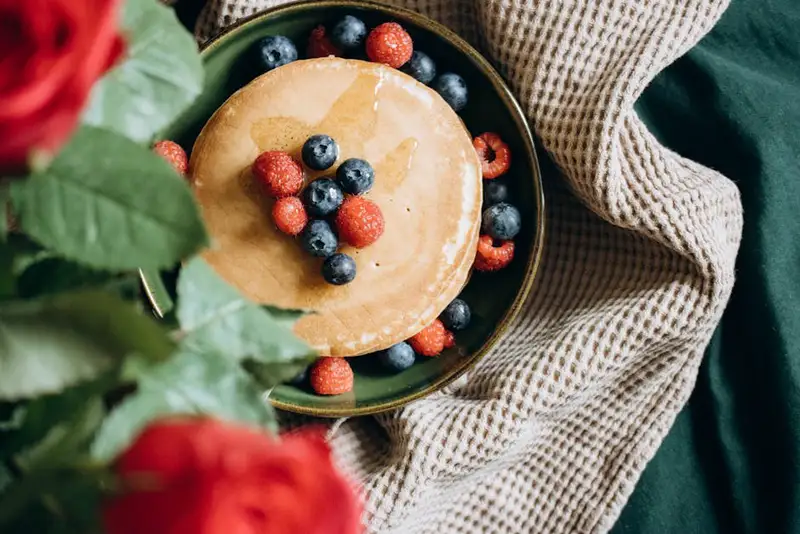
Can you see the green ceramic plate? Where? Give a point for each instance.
(495, 298)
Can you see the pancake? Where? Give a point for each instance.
(427, 184)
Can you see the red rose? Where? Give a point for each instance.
(202, 476)
(51, 53)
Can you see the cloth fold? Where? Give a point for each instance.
(552, 429)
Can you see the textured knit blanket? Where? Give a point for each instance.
(550, 432)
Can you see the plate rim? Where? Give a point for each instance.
(518, 116)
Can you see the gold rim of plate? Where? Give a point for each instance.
(518, 116)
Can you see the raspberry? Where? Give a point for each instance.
(289, 215)
(281, 175)
(492, 258)
(360, 222)
(390, 44)
(430, 340)
(331, 376)
(319, 45)
(449, 339)
(174, 155)
(494, 153)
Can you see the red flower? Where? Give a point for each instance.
(51, 53)
(200, 476)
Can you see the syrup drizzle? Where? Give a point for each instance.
(351, 121)
(395, 165)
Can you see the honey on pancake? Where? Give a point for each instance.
(427, 184)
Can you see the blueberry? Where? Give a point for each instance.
(318, 239)
(276, 51)
(320, 152)
(420, 67)
(456, 315)
(339, 269)
(355, 176)
(501, 221)
(494, 192)
(453, 89)
(349, 33)
(322, 197)
(397, 357)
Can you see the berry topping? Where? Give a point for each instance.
(339, 269)
(397, 357)
(289, 215)
(276, 51)
(494, 154)
(319, 45)
(449, 339)
(492, 258)
(359, 221)
(174, 155)
(430, 340)
(281, 175)
(322, 197)
(453, 89)
(320, 152)
(420, 67)
(501, 221)
(456, 315)
(355, 176)
(389, 44)
(318, 239)
(349, 33)
(331, 376)
(494, 192)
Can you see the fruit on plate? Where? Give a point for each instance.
(280, 175)
(430, 340)
(494, 153)
(173, 154)
(427, 186)
(493, 256)
(389, 44)
(289, 215)
(331, 376)
(453, 89)
(276, 51)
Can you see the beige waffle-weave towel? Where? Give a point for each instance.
(551, 431)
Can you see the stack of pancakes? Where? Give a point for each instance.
(427, 184)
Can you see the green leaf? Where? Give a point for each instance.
(49, 344)
(3, 209)
(48, 418)
(25, 252)
(217, 319)
(55, 501)
(16, 253)
(286, 317)
(66, 441)
(7, 279)
(6, 478)
(186, 384)
(54, 275)
(160, 78)
(109, 203)
(12, 415)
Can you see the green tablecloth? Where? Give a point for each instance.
(731, 462)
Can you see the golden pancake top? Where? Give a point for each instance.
(427, 184)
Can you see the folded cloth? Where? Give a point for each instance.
(552, 429)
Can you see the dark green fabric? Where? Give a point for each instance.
(731, 463)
